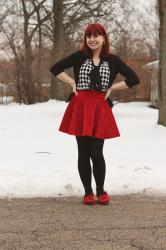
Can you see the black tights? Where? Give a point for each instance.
(91, 147)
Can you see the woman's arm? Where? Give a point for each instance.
(131, 78)
(58, 68)
(65, 63)
(66, 78)
(119, 85)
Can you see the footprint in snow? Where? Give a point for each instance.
(68, 187)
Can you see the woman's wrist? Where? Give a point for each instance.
(66, 78)
(72, 84)
(119, 85)
(113, 87)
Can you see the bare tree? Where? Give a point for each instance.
(11, 45)
(28, 36)
(58, 41)
(23, 24)
(162, 62)
(17, 52)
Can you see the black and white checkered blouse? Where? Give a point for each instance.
(89, 76)
(93, 76)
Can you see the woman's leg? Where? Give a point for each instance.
(99, 166)
(84, 166)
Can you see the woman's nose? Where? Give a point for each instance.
(91, 38)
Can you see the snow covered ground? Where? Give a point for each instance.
(37, 160)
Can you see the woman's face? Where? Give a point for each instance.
(94, 41)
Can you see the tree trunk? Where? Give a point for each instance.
(56, 89)
(28, 78)
(38, 79)
(28, 85)
(162, 63)
(18, 79)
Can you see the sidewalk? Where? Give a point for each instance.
(130, 222)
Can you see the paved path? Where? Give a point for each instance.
(129, 222)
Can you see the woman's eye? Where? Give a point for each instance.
(88, 36)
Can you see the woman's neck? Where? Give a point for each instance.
(96, 53)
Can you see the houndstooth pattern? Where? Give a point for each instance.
(84, 79)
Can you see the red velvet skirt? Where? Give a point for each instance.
(88, 113)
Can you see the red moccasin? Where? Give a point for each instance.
(103, 198)
(89, 199)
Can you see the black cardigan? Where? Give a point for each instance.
(116, 64)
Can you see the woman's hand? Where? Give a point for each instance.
(109, 90)
(74, 88)
(64, 77)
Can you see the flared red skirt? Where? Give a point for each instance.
(88, 113)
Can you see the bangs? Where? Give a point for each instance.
(93, 30)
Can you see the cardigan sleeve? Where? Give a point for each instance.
(131, 78)
(65, 63)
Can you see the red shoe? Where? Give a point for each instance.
(89, 199)
(103, 198)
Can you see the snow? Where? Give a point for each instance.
(152, 65)
(37, 160)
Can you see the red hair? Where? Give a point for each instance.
(96, 29)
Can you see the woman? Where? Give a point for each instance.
(89, 115)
